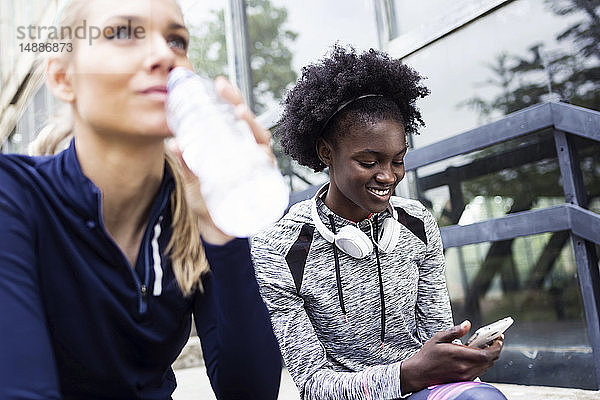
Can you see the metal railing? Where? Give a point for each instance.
(558, 122)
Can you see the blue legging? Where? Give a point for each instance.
(459, 391)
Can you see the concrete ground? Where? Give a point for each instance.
(192, 384)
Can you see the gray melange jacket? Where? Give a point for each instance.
(327, 356)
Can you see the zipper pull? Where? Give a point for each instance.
(144, 291)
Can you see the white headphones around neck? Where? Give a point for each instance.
(351, 240)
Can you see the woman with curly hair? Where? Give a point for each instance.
(354, 278)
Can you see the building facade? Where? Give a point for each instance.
(25, 104)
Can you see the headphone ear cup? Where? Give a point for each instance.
(353, 242)
(390, 233)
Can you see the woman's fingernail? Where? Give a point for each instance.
(464, 324)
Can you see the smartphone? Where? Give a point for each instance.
(487, 334)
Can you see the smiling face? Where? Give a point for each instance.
(118, 83)
(365, 166)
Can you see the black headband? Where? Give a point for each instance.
(344, 105)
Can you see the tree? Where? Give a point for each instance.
(271, 58)
(586, 33)
(549, 75)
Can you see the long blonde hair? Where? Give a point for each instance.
(185, 247)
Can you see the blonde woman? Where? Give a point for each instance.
(105, 248)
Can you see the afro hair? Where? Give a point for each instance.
(312, 107)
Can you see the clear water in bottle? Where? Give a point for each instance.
(243, 190)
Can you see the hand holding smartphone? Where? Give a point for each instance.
(487, 334)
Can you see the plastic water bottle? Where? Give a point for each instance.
(243, 189)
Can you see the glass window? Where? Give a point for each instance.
(40, 110)
(484, 71)
(418, 23)
(534, 280)
(207, 50)
(517, 175)
(587, 152)
(531, 278)
(26, 129)
(318, 25)
(2, 57)
(284, 36)
(6, 147)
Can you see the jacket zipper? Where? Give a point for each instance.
(141, 288)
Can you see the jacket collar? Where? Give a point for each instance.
(325, 212)
(81, 194)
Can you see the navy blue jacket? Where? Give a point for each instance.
(78, 322)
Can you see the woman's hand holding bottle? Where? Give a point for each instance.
(232, 95)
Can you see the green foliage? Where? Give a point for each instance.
(207, 51)
(271, 58)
